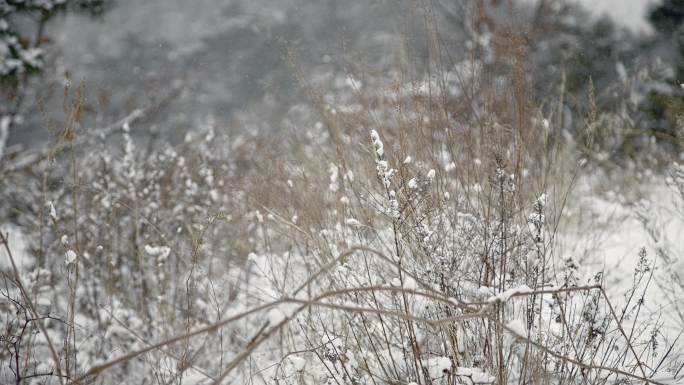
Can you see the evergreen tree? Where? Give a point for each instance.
(668, 20)
(665, 107)
(21, 51)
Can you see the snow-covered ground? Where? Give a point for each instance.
(602, 231)
(606, 231)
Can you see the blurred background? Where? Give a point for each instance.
(234, 64)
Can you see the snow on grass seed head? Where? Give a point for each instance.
(70, 257)
(431, 174)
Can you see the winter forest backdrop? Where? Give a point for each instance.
(404, 192)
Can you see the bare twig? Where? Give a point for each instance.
(17, 277)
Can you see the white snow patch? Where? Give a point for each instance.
(280, 313)
(53, 211)
(518, 328)
(438, 367)
(506, 295)
(161, 252)
(298, 363)
(410, 283)
(476, 375)
(70, 257)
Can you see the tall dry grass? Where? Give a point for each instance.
(406, 234)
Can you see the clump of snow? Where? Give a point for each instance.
(439, 367)
(518, 328)
(298, 363)
(377, 143)
(70, 257)
(476, 375)
(506, 295)
(53, 211)
(334, 175)
(161, 252)
(281, 313)
(410, 283)
(431, 174)
(413, 184)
